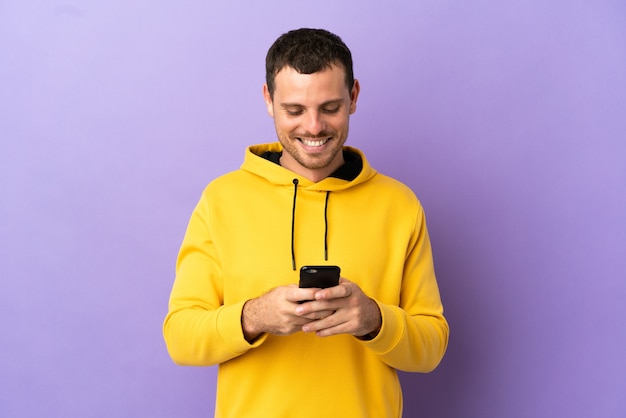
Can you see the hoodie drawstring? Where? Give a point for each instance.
(326, 227)
(293, 225)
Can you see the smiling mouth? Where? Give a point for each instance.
(313, 142)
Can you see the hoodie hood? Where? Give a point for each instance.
(256, 163)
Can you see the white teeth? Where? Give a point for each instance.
(311, 143)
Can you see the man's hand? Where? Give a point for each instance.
(276, 312)
(354, 312)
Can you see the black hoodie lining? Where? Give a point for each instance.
(348, 171)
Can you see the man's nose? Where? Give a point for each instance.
(314, 123)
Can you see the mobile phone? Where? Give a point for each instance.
(319, 276)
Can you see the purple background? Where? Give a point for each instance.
(508, 119)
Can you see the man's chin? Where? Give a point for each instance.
(317, 161)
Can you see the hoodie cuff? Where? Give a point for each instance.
(231, 332)
(390, 331)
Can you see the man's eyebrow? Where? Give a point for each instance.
(291, 105)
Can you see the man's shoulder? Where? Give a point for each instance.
(391, 185)
(230, 179)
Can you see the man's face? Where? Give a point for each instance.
(311, 114)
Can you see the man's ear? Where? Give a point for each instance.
(268, 100)
(354, 95)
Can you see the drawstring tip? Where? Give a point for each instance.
(293, 265)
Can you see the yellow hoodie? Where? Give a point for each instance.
(240, 243)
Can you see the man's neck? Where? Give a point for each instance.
(315, 175)
(349, 171)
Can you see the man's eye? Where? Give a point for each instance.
(294, 112)
(333, 109)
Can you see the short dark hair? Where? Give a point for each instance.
(307, 51)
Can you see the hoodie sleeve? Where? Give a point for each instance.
(199, 330)
(414, 335)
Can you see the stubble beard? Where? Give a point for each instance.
(314, 161)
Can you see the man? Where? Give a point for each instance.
(285, 351)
